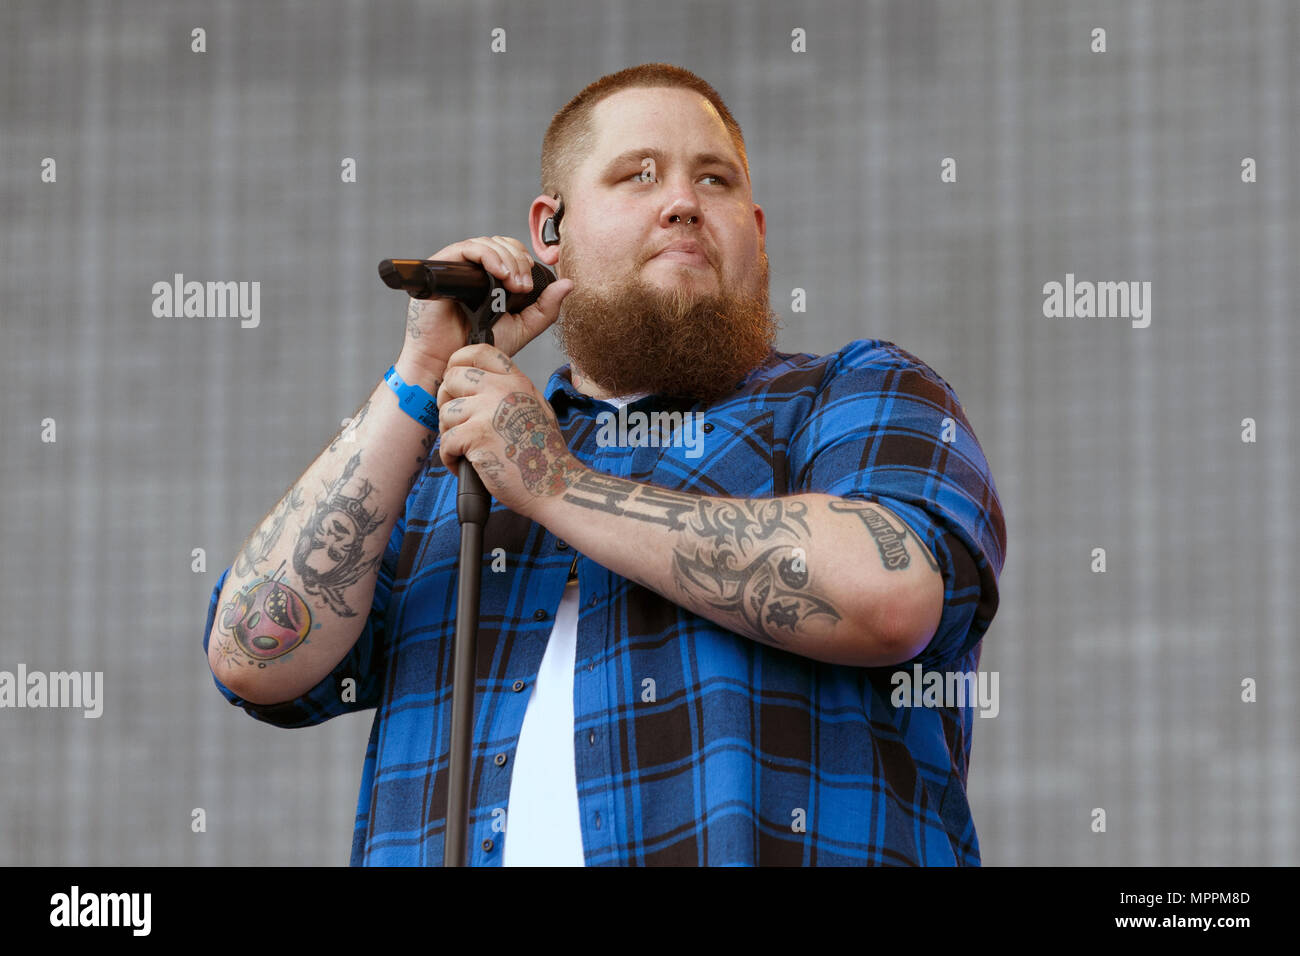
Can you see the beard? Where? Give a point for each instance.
(631, 336)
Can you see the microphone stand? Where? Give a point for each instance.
(472, 505)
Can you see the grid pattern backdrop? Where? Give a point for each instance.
(1119, 690)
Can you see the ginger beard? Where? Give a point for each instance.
(631, 336)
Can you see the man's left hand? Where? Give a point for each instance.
(491, 413)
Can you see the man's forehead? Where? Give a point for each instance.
(629, 117)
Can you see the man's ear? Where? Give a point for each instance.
(543, 208)
(760, 218)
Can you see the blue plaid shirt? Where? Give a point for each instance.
(745, 754)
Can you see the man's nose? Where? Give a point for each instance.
(682, 208)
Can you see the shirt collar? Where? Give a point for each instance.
(561, 394)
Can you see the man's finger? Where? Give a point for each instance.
(481, 355)
(516, 331)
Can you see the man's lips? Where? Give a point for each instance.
(691, 253)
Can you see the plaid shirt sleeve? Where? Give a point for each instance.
(364, 662)
(886, 428)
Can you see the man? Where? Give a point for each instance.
(692, 607)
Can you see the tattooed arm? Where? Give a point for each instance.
(299, 592)
(837, 580)
(833, 579)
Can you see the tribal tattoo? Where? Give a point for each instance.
(745, 557)
(891, 543)
(330, 554)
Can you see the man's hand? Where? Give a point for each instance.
(492, 414)
(435, 328)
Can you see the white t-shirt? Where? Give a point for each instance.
(542, 822)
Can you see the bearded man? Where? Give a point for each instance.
(688, 650)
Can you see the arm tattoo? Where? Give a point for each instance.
(265, 621)
(426, 443)
(262, 540)
(349, 432)
(330, 554)
(743, 557)
(616, 496)
(891, 543)
(534, 444)
(746, 557)
(413, 319)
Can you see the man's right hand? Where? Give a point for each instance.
(435, 328)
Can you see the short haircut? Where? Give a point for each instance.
(570, 136)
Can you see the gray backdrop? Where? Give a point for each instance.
(1119, 690)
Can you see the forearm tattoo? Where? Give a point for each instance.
(891, 543)
(329, 556)
(349, 432)
(743, 557)
(265, 621)
(265, 538)
(426, 445)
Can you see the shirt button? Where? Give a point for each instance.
(598, 821)
(591, 737)
(708, 427)
(562, 546)
(592, 602)
(500, 760)
(487, 846)
(539, 615)
(517, 686)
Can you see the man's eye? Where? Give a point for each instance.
(643, 176)
(721, 179)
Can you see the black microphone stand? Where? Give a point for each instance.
(472, 505)
(422, 279)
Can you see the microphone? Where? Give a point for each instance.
(466, 282)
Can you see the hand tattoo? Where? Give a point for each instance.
(534, 444)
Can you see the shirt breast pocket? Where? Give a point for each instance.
(727, 454)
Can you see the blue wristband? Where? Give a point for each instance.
(414, 400)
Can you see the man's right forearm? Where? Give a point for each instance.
(299, 592)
